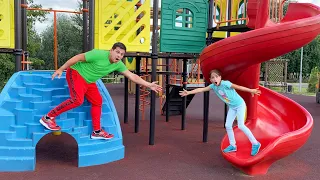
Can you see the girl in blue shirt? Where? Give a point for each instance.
(225, 90)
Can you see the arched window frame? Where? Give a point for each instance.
(184, 19)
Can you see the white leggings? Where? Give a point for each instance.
(238, 112)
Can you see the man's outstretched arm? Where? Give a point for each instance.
(135, 78)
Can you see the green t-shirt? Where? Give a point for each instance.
(97, 65)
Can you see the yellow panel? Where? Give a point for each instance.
(219, 34)
(222, 5)
(5, 24)
(223, 10)
(234, 33)
(115, 21)
(235, 9)
(12, 39)
(130, 63)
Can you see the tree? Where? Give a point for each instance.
(6, 68)
(69, 41)
(37, 64)
(34, 39)
(311, 54)
(78, 18)
(311, 57)
(285, 7)
(7, 61)
(313, 80)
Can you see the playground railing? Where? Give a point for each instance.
(276, 11)
(217, 12)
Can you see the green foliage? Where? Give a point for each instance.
(7, 61)
(285, 7)
(34, 40)
(313, 80)
(37, 64)
(69, 42)
(311, 54)
(33, 16)
(311, 57)
(7, 68)
(107, 80)
(77, 18)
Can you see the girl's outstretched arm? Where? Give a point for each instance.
(195, 91)
(252, 91)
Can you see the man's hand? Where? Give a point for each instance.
(57, 72)
(155, 87)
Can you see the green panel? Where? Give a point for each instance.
(183, 25)
(241, 12)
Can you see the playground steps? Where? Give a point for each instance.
(27, 97)
(175, 100)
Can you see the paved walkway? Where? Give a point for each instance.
(176, 155)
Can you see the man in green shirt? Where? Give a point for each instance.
(83, 70)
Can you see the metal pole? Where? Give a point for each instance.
(206, 95)
(300, 76)
(210, 21)
(228, 35)
(138, 72)
(18, 31)
(24, 26)
(167, 90)
(154, 56)
(225, 115)
(184, 99)
(24, 33)
(206, 98)
(55, 40)
(85, 26)
(91, 24)
(137, 113)
(126, 96)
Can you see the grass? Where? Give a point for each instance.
(295, 90)
(112, 79)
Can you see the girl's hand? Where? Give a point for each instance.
(255, 92)
(183, 93)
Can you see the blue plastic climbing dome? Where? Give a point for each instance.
(29, 95)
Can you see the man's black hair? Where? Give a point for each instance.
(120, 45)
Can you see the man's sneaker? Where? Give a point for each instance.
(230, 148)
(101, 135)
(255, 149)
(49, 123)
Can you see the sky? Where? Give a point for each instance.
(73, 4)
(54, 4)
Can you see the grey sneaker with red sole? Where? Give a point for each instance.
(101, 135)
(50, 123)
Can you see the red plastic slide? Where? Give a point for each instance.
(280, 124)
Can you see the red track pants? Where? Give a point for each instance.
(79, 89)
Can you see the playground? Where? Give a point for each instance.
(176, 155)
(163, 135)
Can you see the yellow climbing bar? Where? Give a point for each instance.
(6, 23)
(126, 21)
(238, 13)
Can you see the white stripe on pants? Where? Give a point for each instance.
(238, 112)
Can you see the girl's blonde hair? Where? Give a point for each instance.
(216, 71)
